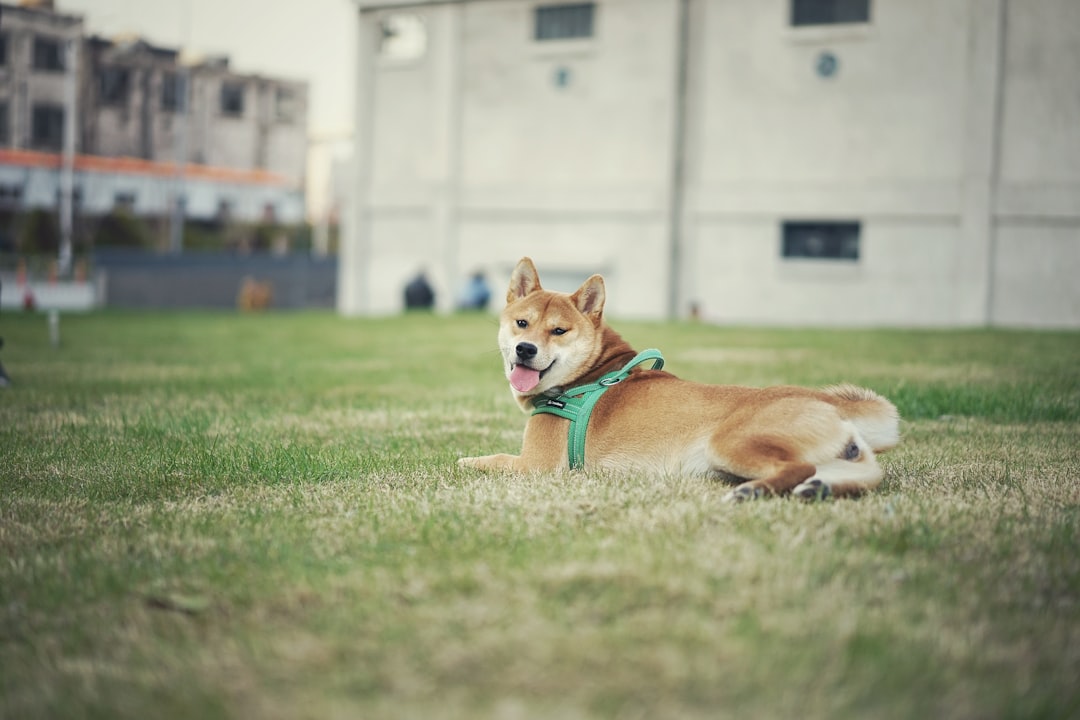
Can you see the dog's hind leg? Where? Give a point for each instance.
(777, 466)
(783, 479)
(842, 477)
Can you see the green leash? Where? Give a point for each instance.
(576, 404)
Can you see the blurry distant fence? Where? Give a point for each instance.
(135, 279)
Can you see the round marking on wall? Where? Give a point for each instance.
(827, 64)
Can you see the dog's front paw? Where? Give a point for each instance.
(743, 493)
(812, 489)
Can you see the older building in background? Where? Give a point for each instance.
(838, 162)
(153, 130)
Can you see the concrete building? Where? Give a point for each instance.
(151, 127)
(873, 162)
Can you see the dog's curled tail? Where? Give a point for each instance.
(876, 419)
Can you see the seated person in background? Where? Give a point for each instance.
(475, 294)
(418, 293)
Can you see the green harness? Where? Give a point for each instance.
(576, 404)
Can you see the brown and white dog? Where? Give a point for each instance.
(775, 440)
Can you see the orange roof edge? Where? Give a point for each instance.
(139, 166)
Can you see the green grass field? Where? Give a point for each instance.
(212, 515)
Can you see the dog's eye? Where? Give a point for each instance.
(558, 331)
(523, 323)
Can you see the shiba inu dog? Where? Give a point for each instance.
(558, 352)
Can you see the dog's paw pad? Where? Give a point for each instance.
(744, 493)
(812, 489)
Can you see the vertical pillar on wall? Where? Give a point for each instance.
(446, 60)
(677, 189)
(974, 260)
(354, 255)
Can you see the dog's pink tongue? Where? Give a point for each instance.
(524, 378)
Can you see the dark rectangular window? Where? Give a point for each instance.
(821, 240)
(232, 99)
(565, 22)
(47, 127)
(124, 201)
(3, 49)
(10, 194)
(829, 12)
(113, 84)
(48, 54)
(172, 92)
(5, 124)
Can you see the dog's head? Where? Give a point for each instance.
(548, 339)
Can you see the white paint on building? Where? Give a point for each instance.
(667, 149)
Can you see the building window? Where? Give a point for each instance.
(10, 195)
(829, 12)
(5, 125)
(124, 201)
(564, 22)
(821, 240)
(47, 127)
(232, 99)
(3, 50)
(284, 105)
(224, 210)
(48, 54)
(172, 92)
(113, 83)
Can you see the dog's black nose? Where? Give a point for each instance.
(526, 351)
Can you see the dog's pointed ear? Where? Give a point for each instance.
(590, 297)
(523, 281)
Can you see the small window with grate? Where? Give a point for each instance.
(172, 92)
(47, 127)
(113, 84)
(48, 54)
(232, 99)
(829, 12)
(565, 22)
(821, 240)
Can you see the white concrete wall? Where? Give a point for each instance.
(478, 156)
(1037, 199)
(951, 131)
(881, 141)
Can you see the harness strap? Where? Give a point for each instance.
(576, 404)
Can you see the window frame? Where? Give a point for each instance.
(114, 86)
(802, 13)
(35, 122)
(841, 240)
(555, 22)
(229, 88)
(172, 92)
(43, 58)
